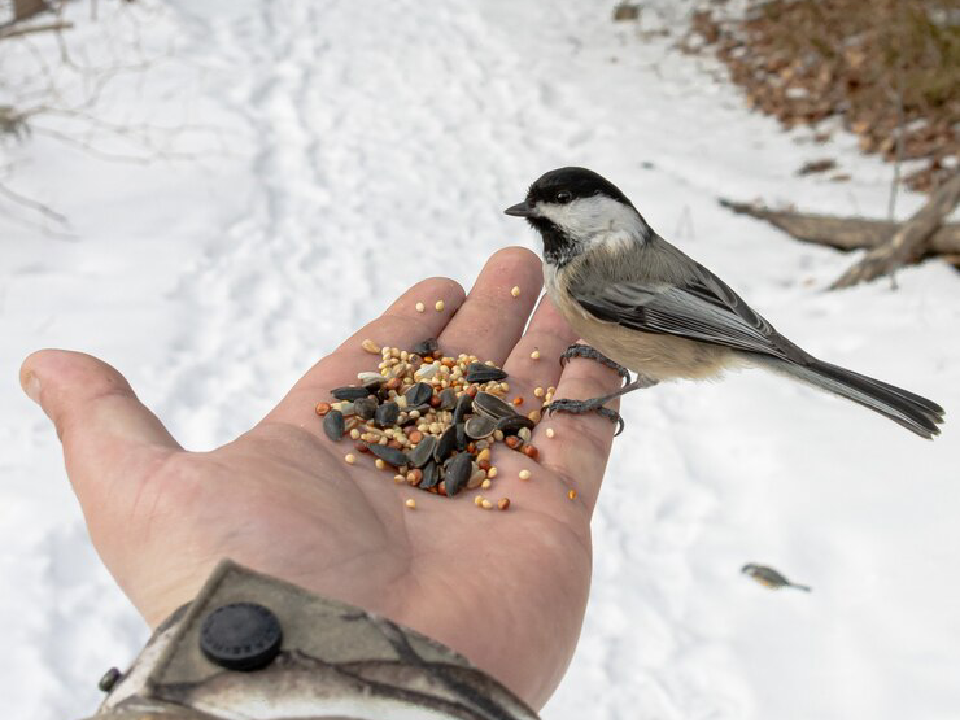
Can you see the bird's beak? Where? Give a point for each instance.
(521, 210)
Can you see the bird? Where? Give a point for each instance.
(644, 306)
(770, 577)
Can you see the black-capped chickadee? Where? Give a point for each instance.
(770, 577)
(645, 306)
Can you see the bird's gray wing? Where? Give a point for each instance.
(702, 308)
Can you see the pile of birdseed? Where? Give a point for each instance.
(433, 420)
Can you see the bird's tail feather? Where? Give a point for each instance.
(913, 412)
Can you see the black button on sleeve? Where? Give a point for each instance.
(241, 636)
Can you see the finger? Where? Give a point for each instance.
(492, 319)
(104, 429)
(580, 447)
(549, 335)
(401, 326)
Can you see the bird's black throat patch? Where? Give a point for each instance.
(558, 247)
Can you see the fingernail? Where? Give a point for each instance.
(31, 386)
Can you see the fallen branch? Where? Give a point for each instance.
(12, 31)
(844, 233)
(909, 242)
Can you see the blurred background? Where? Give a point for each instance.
(212, 195)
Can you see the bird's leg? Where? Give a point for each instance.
(585, 351)
(596, 404)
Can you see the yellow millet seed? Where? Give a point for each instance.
(538, 392)
(439, 306)
(486, 484)
(411, 503)
(478, 500)
(524, 474)
(515, 291)
(350, 458)
(419, 307)
(487, 504)
(492, 473)
(550, 432)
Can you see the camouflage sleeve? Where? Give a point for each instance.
(252, 646)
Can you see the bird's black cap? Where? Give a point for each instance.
(578, 181)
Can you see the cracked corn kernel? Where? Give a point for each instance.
(410, 503)
(535, 355)
(439, 306)
(370, 346)
(572, 494)
(524, 474)
(419, 307)
(515, 291)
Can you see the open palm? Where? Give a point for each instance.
(506, 589)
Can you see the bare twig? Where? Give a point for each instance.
(909, 242)
(12, 31)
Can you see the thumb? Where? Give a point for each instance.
(105, 430)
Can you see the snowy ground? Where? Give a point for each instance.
(353, 129)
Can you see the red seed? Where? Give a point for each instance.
(395, 444)
(518, 401)
(361, 448)
(512, 442)
(483, 464)
(531, 452)
(415, 436)
(323, 408)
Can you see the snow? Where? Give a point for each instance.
(331, 135)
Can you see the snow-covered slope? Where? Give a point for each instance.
(351, 148)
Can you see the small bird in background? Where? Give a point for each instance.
(770, 577)
(645, 306)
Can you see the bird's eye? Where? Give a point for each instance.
(564, 196)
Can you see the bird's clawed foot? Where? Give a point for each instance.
(583, 406)
(585, 351)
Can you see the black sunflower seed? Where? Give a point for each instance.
(492, 406)
(447, 444)
(511, 425)
(419, 394)
(458, 471)
(365, 408)
(386, 415)
(464, 406)
(480, 426)
(448, 399)
(431, 475)
(390, 455)
(333, 425)
(423, 451)
(480, 373)
(350, 393)
(427, 347)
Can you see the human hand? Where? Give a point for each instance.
(506, 589)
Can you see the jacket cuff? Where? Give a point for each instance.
(252, 646)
